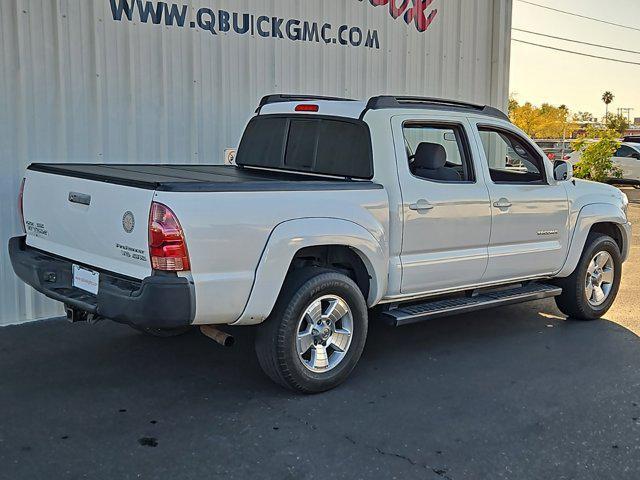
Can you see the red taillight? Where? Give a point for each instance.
(307, 108)
(167, 246)
(21, 206)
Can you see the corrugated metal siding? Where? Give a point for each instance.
(77, 86)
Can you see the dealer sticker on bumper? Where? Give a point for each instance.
(86, 279)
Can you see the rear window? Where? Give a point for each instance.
(320, 145)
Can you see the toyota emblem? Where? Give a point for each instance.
(128, 222)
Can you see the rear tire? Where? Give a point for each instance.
(589, 292)
(316, 333)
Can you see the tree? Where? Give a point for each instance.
(595, 162)
(513, 104)
(527, 118)
(607, 98)
(583, 117)
(545, 121)
(618, 123)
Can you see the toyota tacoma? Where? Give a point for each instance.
(419, 207)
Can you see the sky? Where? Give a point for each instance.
(539, 75)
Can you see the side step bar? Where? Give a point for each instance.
(418, 312)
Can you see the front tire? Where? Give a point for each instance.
(316, 332)
(589, 292)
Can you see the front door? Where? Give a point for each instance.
(446, 210)
(530, 211)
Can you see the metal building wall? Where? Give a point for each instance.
(78, 86)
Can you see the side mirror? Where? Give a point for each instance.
(562, 170)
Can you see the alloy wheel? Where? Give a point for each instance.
(324, 333)
(600, 278)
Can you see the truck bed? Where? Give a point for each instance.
(199, 178)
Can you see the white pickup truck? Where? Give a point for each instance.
(419, 207)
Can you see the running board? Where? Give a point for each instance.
(418, 312)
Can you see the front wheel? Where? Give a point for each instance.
(589, 292)
(316, 333)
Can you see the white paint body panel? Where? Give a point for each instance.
(591, 203)
(89, 234)
(444, 247)
(286, 240)
(227, 233)
(336, 109)
(530, 238)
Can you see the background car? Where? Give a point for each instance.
(556, 149)
(626, 157)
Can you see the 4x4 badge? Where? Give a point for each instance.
(128, 222)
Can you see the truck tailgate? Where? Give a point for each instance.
(98, 224)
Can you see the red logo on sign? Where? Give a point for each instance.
(413, 11)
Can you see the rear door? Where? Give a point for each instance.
(446, 211)
(530, 211)
(96, 224)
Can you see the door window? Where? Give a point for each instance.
(511, 159)
(438, 153)
(626, 152)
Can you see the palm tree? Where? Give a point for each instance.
(607, 98)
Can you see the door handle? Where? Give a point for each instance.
(503, 203)
(421, 206)
(82, 198)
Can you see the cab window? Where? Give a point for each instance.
(511, 159)
(438, 152)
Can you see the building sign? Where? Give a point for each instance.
(412, 11)
(219, 21)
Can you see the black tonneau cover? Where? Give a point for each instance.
(199, 178)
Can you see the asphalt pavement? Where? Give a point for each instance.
(517, 392)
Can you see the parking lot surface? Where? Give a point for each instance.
(517, 392)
